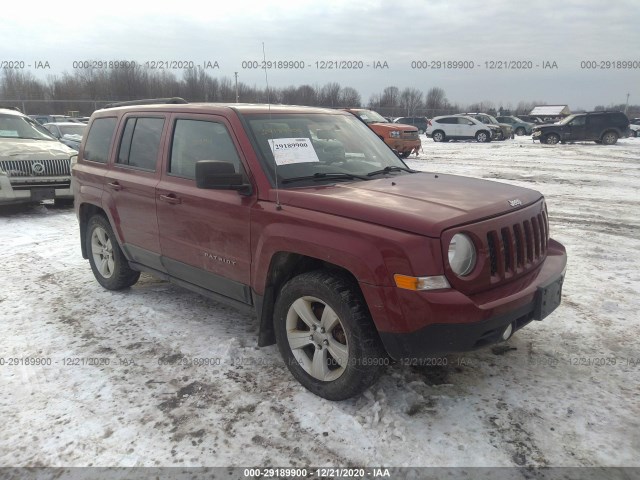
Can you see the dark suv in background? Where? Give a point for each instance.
(601, 127)
(420, 123)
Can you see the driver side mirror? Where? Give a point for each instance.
(215, 175)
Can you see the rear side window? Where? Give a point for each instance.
(140, 143)
(96, 148)
(448, 120)
(597, 121)
(195, 140)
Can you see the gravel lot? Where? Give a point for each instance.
(562, 392)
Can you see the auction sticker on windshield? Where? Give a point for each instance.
(292, 150)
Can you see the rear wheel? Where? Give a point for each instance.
(326, 336)
(551, 138)
(405, 154)
(609, 138)
(438, 136)
(109, 265)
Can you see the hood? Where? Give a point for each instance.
(395, 126)
(25, 149)
(422, 203)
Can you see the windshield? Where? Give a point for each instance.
(517, 119)
(15, 126)
(72, 129)
(566, 120)
(493, 120)
(369, 116)
(325, 147)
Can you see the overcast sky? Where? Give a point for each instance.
(370, 31)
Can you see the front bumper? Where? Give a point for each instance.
(26, 191)
(404, 146)
(425, 323)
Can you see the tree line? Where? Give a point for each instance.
(85, 90)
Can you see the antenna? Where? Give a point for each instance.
(275, 162)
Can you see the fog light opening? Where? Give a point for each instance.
(506, 335)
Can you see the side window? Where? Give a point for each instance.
(448, 120)
(96, 148)
(140, 142)
(579, 121)
(195, 140)
(464, 121)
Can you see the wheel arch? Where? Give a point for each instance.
(283, 267)
(85, 212)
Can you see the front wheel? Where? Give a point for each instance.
(109, 265)
(520, 131)
(326, 336)
(482, 136)
(552, 139)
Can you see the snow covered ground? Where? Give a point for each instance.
(562, 392)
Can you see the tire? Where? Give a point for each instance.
(109, 265)
(420, 131)
(609, 138)
(405, 154)
(438, 136)
(520, 131)
(326, 336)
(483, 137)
(552, 139)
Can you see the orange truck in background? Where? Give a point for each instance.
(402, 138)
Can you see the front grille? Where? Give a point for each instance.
(36, 168)
(519, 247)
(410, 134)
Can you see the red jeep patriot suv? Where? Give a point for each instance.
(303, 216)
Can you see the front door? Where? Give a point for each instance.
(204, 234)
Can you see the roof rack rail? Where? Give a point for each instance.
(147, 101)
(7, 107)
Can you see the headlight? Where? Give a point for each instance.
(462, 254)
(394, 134)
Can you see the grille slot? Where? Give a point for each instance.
(36, 168)
(518, 247)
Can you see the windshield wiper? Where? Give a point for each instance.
(391, 169)
(321, 176)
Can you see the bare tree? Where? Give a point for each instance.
(349, 97)
(411, 100)
(330, 95)
(436, 102)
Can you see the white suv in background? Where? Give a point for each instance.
(459, 127)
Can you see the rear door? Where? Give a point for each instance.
(204, 234)
(130, 186)
(466, 128)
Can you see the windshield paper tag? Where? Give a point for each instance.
(292, 150)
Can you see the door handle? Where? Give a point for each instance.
(171, 198)
(114, 185)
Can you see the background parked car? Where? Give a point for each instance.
(520, 127)
(459, 127)
(34, 166)
(419, 122)
(399, 137)
(69, 133)
(601, 127)
(635, 130)
(505, 131)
